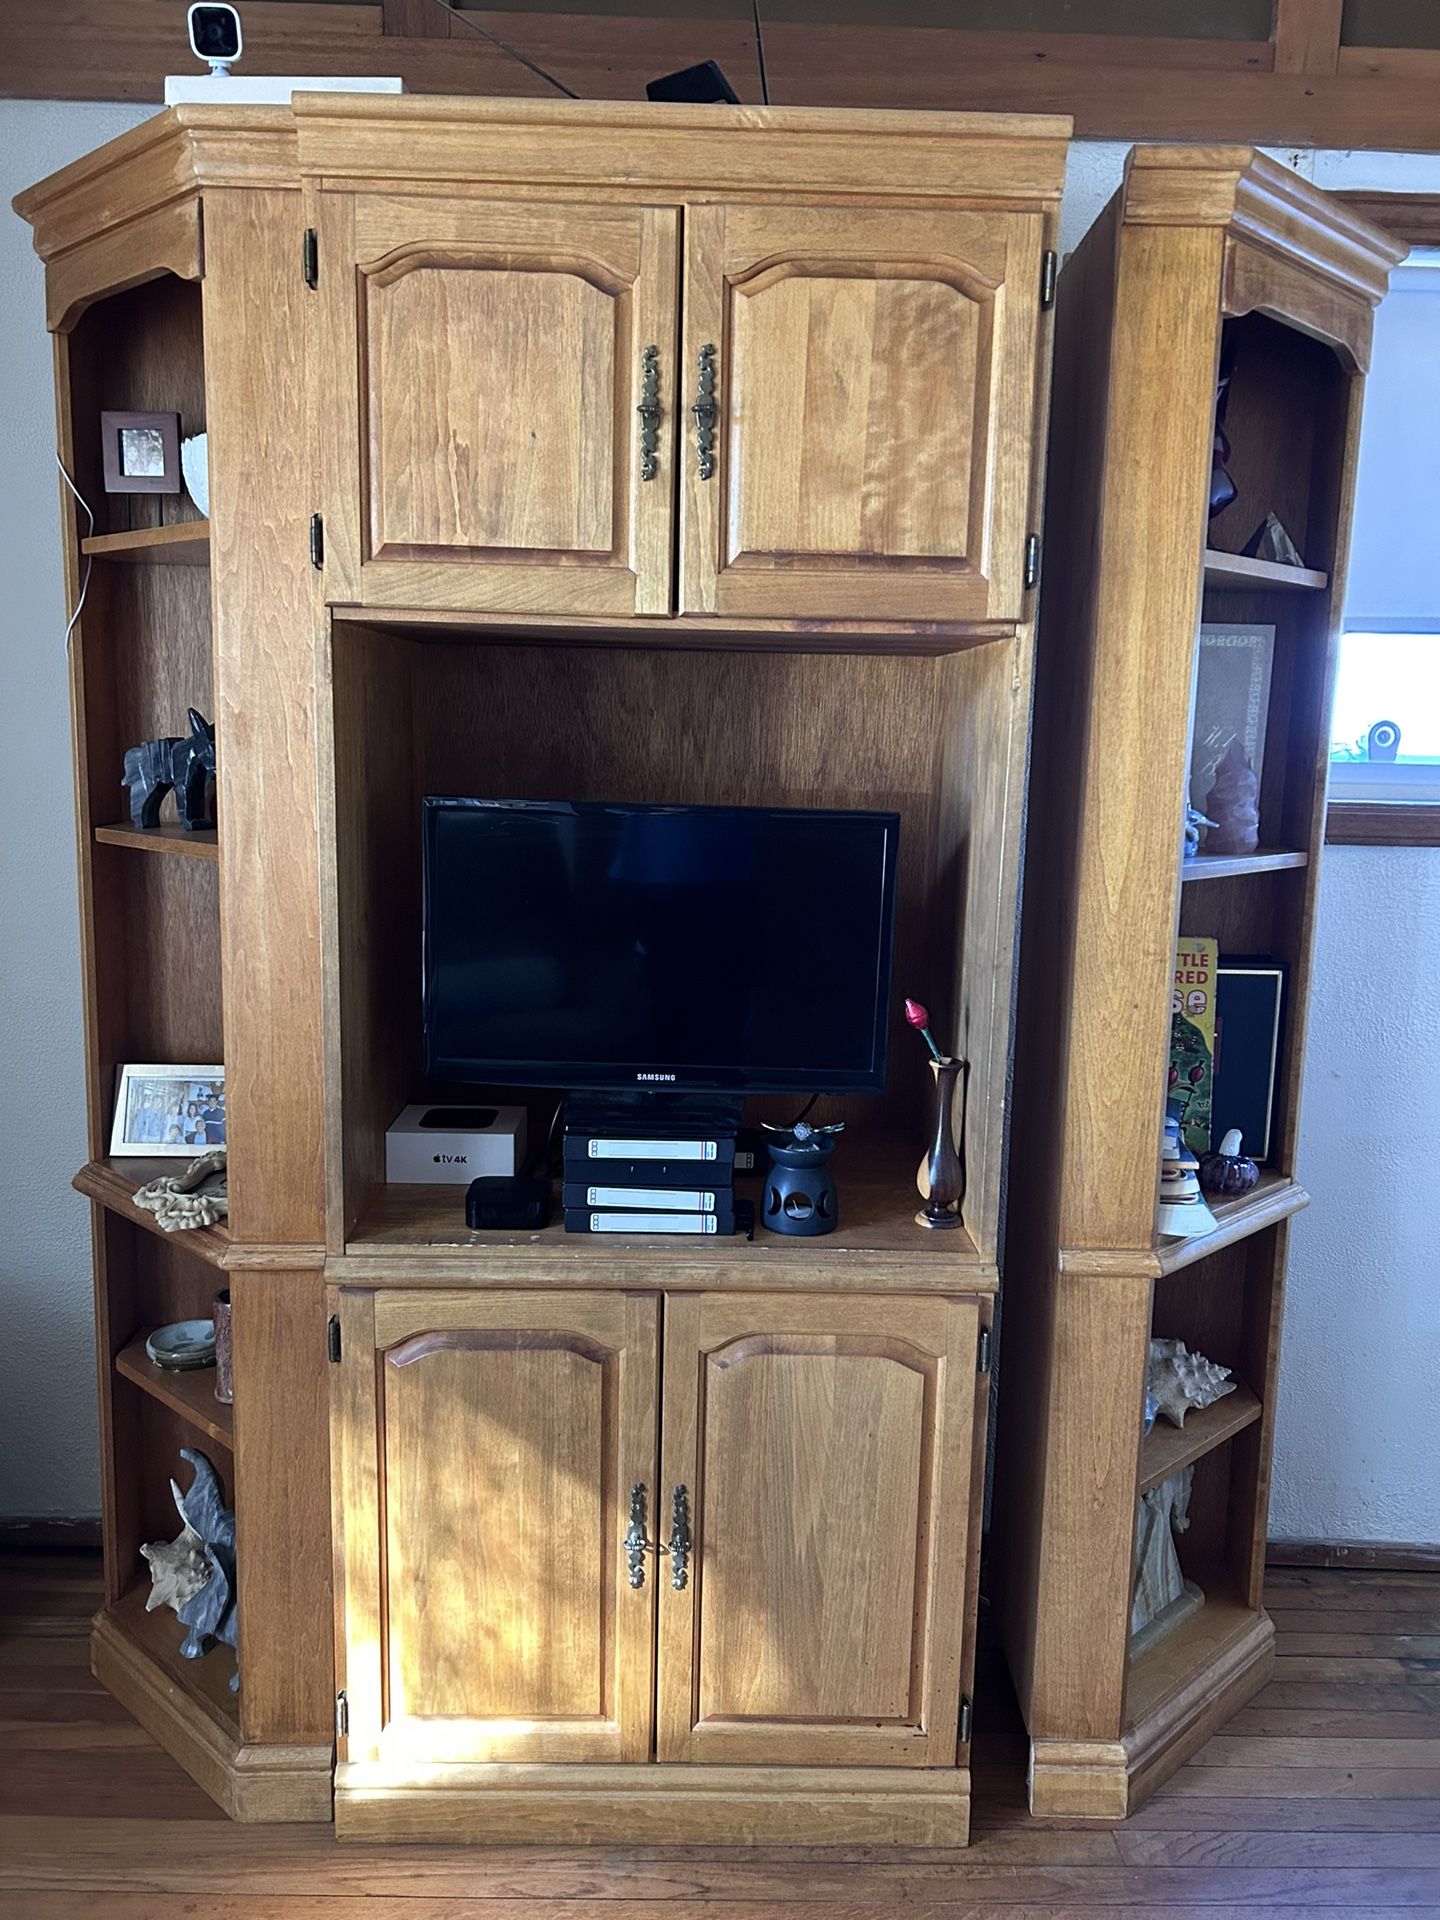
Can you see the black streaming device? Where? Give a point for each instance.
(520, 1202)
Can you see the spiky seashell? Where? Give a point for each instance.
(1180, 1380)
(178, 1570)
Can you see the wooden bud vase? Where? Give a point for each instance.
(941, 1179)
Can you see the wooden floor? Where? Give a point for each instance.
(1322, 1797)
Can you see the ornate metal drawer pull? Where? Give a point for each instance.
(637, 1540)
(705, 412)
(679, 1545)
(649, 412)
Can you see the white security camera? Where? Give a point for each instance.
(215, 36)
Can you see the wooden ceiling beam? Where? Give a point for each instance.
(1116, 88)
(1306, 35)
(415, 19)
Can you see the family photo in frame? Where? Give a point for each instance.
(168, 1111)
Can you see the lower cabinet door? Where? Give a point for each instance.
(485, 1445)
(825, 1447)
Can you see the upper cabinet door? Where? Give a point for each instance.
(486, 365)
(874, 377)
(824, 1446)
(484, 1448)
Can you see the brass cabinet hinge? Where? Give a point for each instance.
(317, 542)
(310, 257)
(966, 1716)
(982, 1358)
(332, 1339)
(1032, 561)
(1048, 270)
(342, 1714)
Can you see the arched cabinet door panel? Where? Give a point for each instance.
(485, 1446)
(825, 1447)
(873, 375)
(485, 364)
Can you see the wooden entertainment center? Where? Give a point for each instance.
(447, 552)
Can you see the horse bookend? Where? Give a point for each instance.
(188, 766)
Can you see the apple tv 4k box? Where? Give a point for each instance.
(451, 1146)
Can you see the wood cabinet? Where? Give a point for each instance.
(520, 1584)
(826, 1445)
(485, 1444)
(875, 385)
(448, 353)
(513, 426)
(1205, 258)
(487, 361)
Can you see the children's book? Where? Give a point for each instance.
(1192, 1035)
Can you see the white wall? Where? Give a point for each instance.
(1358, 1450)
(48, 1454)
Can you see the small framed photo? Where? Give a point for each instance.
(141, 452)
(174, 1112)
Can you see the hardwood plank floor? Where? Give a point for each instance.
(1321, 1797)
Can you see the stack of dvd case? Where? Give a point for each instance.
(655, 1180)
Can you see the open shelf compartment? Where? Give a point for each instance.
(932, 738)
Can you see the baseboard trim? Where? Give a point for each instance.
(654, 1805)
(1384, 1556)
(20, 1534)
(1108, 1780)
(250, 1783)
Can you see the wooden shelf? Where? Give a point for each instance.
(191, 1395)
(1182, 1657)
(1235, 571)
(186, 544)
(168, 837)
(157, 1637)
(1167, 1449)
(113, 1183)
(1274, 1200)
(420, 1233)
(1226, 866)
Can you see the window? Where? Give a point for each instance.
(1385, 726)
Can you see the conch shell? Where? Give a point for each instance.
(178, 1570)
(1179, 1380)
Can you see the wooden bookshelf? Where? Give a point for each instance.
(1274, 1198)
(1182, 1657)
(190, 1394)
(168, 838)
(1230, 866)
(114, 1182)
(158, 1635)
(1144, 313)
(1234, 570)
(1167, 1449)
(184, 544)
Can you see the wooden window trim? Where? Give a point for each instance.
(1382, 823)
(1414, 218)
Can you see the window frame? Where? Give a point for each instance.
(1415, 219)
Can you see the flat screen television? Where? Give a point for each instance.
(584, 945)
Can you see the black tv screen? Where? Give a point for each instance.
(588, 945)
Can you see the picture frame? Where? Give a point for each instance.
(167, 1112)
(140, 452)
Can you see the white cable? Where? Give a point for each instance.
(89, 558)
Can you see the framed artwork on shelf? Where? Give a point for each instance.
(173, 1112)
(1232, 701)
(140, 452)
